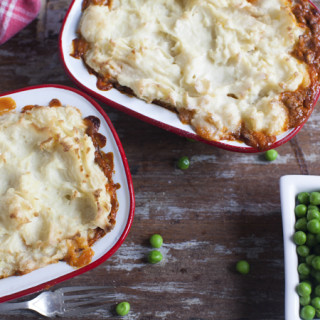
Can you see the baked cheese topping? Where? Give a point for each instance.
(52, 193)
(224, 63)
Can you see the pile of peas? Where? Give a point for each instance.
(307, 239)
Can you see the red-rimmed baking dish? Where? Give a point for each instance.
(150, 113)
(17, 286)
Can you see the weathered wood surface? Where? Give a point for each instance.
(225, 207)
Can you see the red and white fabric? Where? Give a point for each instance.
(15, 15)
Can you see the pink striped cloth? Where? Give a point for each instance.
(15, 15)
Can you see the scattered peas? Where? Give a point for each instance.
(155, 256)
(123, 308)
(243, 267)
(156, 241)
(183, 163)
(271, 155)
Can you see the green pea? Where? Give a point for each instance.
(307, 312)
(311, 240)
(303, 251)
(318, 237)
(315, 198)
(315, 302)
(304, 289)
(156, 241)
(271, 155)
(301, 224)
(123, 308)
(317, 314)
(299, 238)
(155, 256)
(309, 259)
(300, 210)
(304, 301)
(316, 263)
(317, 291)
(313, 214)
(183, 163)
(313, 226)
(303, 269)
(243, 267)
(309, 282)
(304, 197)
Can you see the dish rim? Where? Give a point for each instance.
(290, 186)
(222, 145)
(115, 247)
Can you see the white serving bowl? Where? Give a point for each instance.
(17, 286)
(290, 186)
(150, 113)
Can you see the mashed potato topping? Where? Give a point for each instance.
(222, 64)
(53, 195)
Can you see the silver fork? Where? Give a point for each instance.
(64, 301)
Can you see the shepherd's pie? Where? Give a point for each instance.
(233, 69)
(57, 196)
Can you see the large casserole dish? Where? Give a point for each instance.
(16, 286)
(151, 113)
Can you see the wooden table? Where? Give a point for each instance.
(225, 207)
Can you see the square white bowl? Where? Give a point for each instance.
(290, 186)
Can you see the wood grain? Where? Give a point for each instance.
(225, 207)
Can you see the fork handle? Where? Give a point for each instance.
(10, 306)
